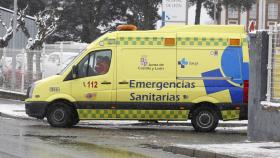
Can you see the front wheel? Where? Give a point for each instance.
(205, 119)
(60, 115)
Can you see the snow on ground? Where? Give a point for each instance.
(10, 91)
(244, 150)
(268, 105)
(13, 110)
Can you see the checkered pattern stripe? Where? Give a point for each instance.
(230, 114)
(108, 41)
(201, 41)
(104, 114)
(159, 41)
(152, 41)
(244, 41)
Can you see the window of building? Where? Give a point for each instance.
(253, 12)
(273, 11)
(233, 22)
(232, 13)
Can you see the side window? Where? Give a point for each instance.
(94, 64)
(99, 63)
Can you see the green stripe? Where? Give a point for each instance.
(159, 41)
(230, 114)
(107, 114)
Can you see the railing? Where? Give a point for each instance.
(33, 65)
(273, 69)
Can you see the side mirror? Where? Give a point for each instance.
(74, 71)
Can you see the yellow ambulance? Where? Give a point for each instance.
(175, 73)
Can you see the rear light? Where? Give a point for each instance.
(245, 91)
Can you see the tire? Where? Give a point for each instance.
(204, 119)
(60, 115)
(76, 119)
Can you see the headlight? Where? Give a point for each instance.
(30, 90)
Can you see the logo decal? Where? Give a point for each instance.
(143, 61)
(91, 96)
(54, 89)
(214, 53)
(150, 66)
(183, 62)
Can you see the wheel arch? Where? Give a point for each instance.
(67, 102)
(211, 105)
(61, 96)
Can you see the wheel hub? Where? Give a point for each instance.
(205, 120)
(58, 115)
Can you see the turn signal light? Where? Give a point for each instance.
(234, 42)
(169, 41)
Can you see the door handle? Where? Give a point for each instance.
(105, 82)
(123, 82)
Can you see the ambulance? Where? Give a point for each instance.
(177, 73)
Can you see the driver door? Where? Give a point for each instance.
(94, 83)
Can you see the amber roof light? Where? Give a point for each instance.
(126, 28)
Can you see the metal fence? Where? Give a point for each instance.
(273, 79)
(34, 65)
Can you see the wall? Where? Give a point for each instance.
(262, 125)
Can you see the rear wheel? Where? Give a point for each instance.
(61, 115)
(205, 119)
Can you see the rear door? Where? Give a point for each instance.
(208, 67)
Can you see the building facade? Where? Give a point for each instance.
(21, 40)
(264, 13)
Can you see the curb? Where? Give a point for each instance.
(12, 95)
(189, 124)
(16, 117)
(195, 152)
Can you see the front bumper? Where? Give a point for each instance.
(36, 109)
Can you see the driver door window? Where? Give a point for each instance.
(94, 64)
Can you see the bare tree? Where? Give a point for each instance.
(4, 41)
(46, 22)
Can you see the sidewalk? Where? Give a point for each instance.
(13, 109)
(238, 150)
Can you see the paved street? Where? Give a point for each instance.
(22, 138)
(32, 138)
(35, 138)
